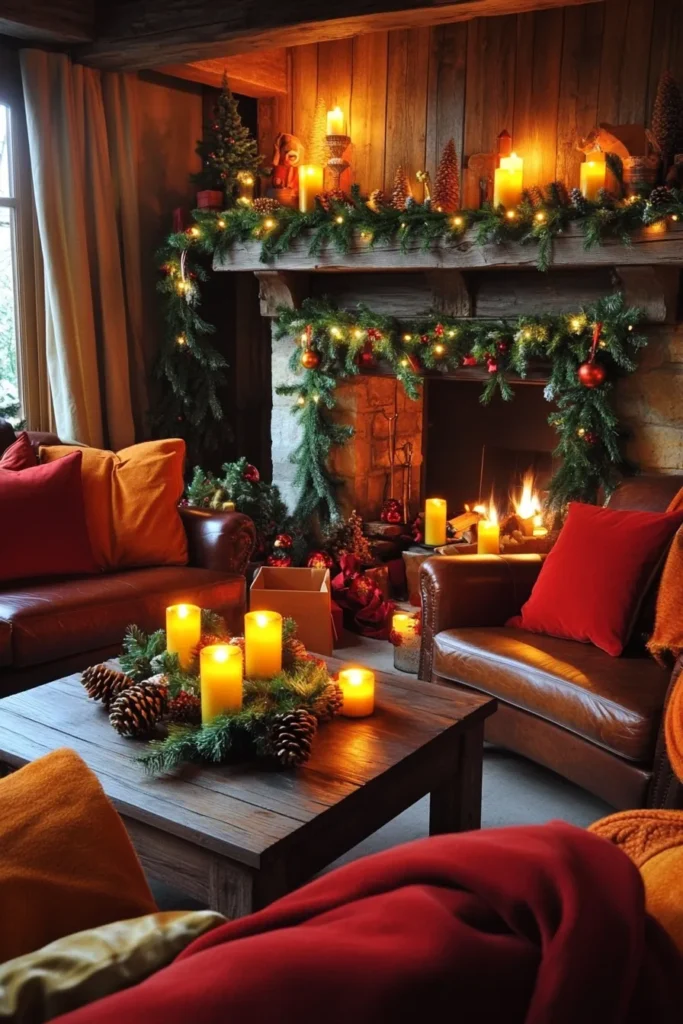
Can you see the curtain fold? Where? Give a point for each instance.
(84, 197)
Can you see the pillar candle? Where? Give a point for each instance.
(262, 644)
(358, 689)
(539, 529)
(403, 624)
(593, 174)
(435, 521)
(335, 122)
(183, 630)
(507, 181)
(488, 538)
(220, 667)
(310, 186)
(245, 188)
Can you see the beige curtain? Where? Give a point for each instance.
(81, 135)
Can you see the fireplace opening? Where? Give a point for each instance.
(476, 452)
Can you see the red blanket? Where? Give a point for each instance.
(543, 925)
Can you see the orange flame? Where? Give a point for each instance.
(528, 504)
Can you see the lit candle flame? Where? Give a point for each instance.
(528, 504)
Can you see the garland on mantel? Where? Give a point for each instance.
(192, 371)
(585, 351)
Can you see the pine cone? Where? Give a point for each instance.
(186, 708)
(329, 703)
(265, 206)
(667, 117)
(660, 196)
(376, 200)
(536, 196)
(136, 711)
(579, 201)
(103, 683)
(293, 650)
(291, 737)
(605, 197)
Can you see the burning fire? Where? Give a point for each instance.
(528, 504)
(488, 512)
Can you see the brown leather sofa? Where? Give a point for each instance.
(51, 627)
(594, 719)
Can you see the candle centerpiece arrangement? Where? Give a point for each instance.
(406, 637)
(220, 697)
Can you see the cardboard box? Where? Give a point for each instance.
(301, 594)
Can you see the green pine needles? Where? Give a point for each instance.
(589, 433)
(227, 148)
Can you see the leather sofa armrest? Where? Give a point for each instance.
(221, 541)
(471, 590)
(665, 789)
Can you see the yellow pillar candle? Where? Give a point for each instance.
(403, 624)
(593, 174)
(220, 668)
(335, 122)
(507, 181)
(310, 186)
(358, 689)
(183, 630)
(262, 644)
(435, 521)
(488, 538)
(539, 529)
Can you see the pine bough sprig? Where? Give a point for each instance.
(588, 430)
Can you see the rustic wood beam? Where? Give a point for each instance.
(148, 33)
(260, 74)
(54, 21)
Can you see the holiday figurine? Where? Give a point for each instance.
(284, 180)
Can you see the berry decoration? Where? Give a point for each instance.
(185, 709)
(391, 511)
(492, 366)
(469, 360)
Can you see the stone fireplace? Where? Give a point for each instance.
(462, 450)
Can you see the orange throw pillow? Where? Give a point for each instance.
(131, 502)
(67, 863)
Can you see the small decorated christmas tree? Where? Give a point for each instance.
(667, 118)
(316, 150)
(227, 147)
(446, 196)
(401, 191)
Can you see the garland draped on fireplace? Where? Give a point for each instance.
(584, 353)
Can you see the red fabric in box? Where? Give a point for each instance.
(593, 581)
(42, 522)
(537, 925)
(19, 455)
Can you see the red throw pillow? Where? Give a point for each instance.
(42, 522)
(19, 455)
(594, 579)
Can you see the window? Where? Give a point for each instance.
(10, 405)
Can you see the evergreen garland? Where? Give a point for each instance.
(192, 371)
(589, 436)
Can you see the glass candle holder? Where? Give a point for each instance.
(407, 652)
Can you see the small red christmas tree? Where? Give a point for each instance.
(446, 196)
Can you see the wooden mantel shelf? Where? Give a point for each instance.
(651, 247)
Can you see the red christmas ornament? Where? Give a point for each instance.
(251, 474)
(438, 331)
(283, 540)
(590, 438)
(503, 346)
(366, 358)
(310, 359)
(469, 360)
(492, 366)
(391, 511)
(280, 560)
(591, 374)
(374, 334)
(319, 560)
(424, 338)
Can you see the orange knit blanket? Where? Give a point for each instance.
(642, 834)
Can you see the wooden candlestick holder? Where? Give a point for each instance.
(337, 145)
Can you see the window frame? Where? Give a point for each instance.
(12, 203)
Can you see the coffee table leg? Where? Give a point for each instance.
(455, 803)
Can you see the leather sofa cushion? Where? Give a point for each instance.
(59, 618)
(614, 702)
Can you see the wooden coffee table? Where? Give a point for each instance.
(238, 837)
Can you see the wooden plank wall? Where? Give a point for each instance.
(547, 76)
